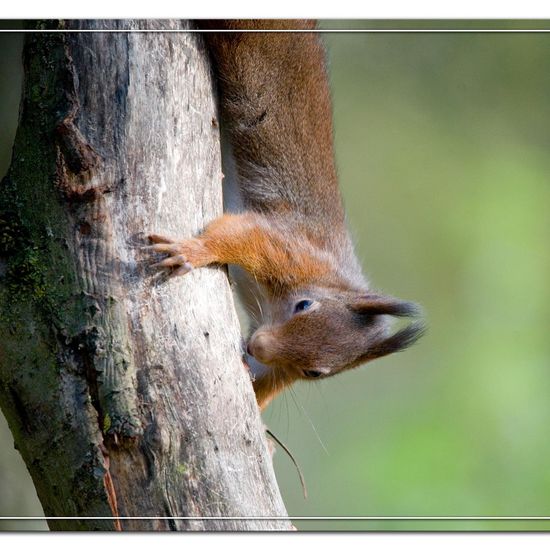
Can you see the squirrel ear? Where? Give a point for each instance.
(376, 304)
(379, 343)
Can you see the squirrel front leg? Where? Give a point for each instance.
(218, 244)
(248, 241)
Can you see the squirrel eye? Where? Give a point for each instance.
(312, 373)
(302, 305)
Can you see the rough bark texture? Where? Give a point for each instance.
(125, 393)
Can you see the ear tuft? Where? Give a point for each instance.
(384, 305)
(399, 341)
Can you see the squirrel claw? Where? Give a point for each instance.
(167, 248)
(172, 261)
(154, 238)
(180, 263)
(182, 270)
(183, 255)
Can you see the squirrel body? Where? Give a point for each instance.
(313, 312)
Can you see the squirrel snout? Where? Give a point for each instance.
(261, 346)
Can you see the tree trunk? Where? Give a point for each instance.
(125, 393)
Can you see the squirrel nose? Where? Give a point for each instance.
(260, 346)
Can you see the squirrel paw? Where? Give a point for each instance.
(183, 256)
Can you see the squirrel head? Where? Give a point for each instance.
(317, 333)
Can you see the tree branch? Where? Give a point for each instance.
(126, 394)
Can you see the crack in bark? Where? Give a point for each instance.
(110, 488)
(84, 347)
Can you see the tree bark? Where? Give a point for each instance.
(125, 393)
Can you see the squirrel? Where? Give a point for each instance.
(313, 312)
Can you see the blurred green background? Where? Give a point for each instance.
(442, 145)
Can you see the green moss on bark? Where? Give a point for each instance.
(44, 392)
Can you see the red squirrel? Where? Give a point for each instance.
(314, 313)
